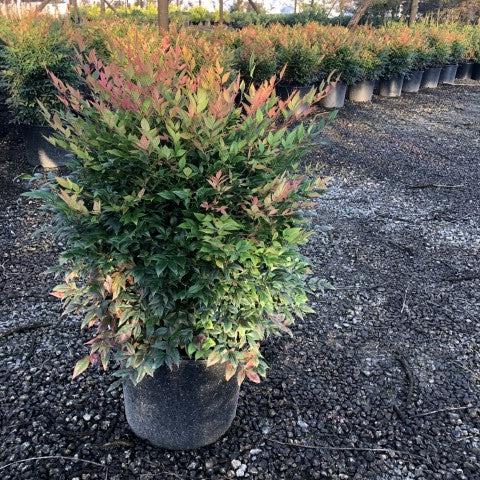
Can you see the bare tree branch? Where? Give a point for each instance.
(359, 13)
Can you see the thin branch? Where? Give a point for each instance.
(434, 185)
(357, 449)
(466, 278)
(404, 304)
(109, 5)
(48, 457)
(449, 409)
(23, 328)
(117, 443)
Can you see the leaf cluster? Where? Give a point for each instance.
(181, 212)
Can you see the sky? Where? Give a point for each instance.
(271, 6)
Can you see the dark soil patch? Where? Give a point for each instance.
(383, 381)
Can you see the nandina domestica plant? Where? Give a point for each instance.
(180, 212)
(30, 46)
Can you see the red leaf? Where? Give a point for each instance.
(230, 371)
(253, 376)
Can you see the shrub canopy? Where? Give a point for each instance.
(180, 214)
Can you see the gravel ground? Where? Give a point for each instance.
(382, 383)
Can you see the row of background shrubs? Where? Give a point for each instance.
(310, 52)
(200, 15)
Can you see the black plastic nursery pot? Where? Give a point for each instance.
(476, 71)
(448, 74)
(335, 97)
(284, 90)
(40, 152)
(185, 408)
(431, 76)
(464, 71)
(361, 91)
(412, 83)
(391, 87)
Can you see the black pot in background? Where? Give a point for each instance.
(361, 91)
(476, 71)
(448, 74)
(431, 76)
(284, 90)
(335, 98)
(464, 71)
(181, 409)
(412, 83)
(40, 152)
(391, 87)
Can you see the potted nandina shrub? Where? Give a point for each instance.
(180, 220)
(472, 43)
(421, 58)
(439, 54)
(254, 55)
(399, 54)
(475, 48)
(299, 57)
(33, 45)
(369, 60)
(449, 71)
(338, 63)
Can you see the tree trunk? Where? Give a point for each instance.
(162, 12)
(253, 5)
(220, 11)
(75, 12)
(359, 13)
(295, 6)
(109, 5)
(102, 7)
(42, 6)
(413, 12)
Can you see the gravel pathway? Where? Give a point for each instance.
(382, 383)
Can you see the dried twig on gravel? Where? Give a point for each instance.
(49, 457)
(409, 374)
(117, 443)
(449, 409)
(435, 185)
(466, 278)
(357, 449)
(404, 303)
(23, 328)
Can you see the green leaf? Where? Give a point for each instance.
(145, 125)
(202, 100)
(81, 366)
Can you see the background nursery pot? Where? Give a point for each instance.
(464, 71)
(335, 98)
(476, 71)
(448, 74)
(391, 87)
(185, 408)
(361, 91)
(284, 90)
(412, 84)
(430, 79)
(40, 151)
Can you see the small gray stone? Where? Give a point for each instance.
(241, 470)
